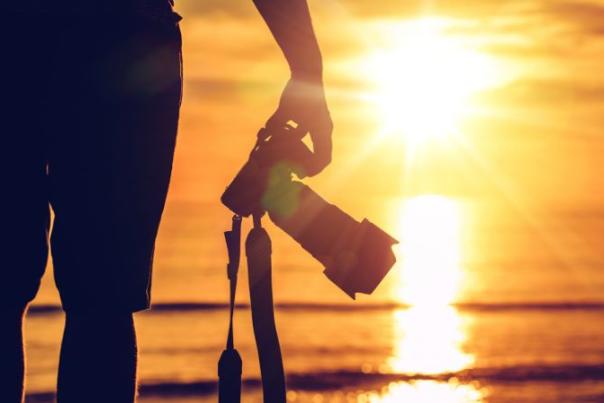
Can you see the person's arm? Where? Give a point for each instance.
(290, 24)
(303, 99)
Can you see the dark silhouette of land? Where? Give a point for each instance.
(92, 93)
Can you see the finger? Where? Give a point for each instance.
(300, 158)
(299, 132)
(277, 120)
(316, 164)
(321, 157)
(293, 152)
(286, 124)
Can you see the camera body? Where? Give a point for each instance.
(356, 255)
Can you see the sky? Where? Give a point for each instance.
(528, 103)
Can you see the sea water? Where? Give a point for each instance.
(525, 326)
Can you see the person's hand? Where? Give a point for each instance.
(303, 102)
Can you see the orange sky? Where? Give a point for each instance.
(535, 134)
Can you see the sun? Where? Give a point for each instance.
(423, 79)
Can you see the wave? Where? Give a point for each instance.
(39, 309)
(327, 381)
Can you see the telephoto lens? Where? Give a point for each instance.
(356, 255)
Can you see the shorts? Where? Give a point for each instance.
(88, 128)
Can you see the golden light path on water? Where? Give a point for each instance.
(424, 83)
(429, 337)
(424, 392)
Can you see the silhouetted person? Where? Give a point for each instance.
(92, 92)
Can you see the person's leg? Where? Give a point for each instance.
(109, 169)
(23, 196)
(24, 254)
(98, 359)
(12, 364)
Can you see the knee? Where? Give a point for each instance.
(102, 326)
(98, 316)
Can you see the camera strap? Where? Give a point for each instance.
(233, 241)
(258, 252)
(230, 364)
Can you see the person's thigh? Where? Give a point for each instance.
(23, 195)
(118, 87)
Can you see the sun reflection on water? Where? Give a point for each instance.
(429, 336)
(425, 392)
(428, 341)
(430, 230)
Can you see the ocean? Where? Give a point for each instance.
(517, 354)
(502, 344)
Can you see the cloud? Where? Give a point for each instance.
(415, 8)
(535, 92)
(570, 16)
(585, 17)
(195, 8)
